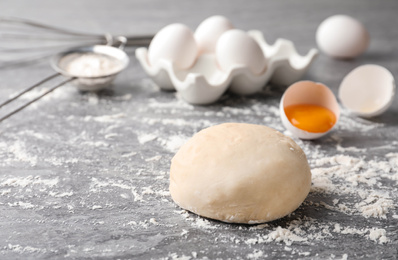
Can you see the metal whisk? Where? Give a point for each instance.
(46, 41)
(24, 41)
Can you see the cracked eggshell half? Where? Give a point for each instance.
(368, 90)
(308, 93)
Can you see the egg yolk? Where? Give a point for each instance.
(310, 118)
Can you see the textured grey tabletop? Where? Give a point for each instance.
(85, 176)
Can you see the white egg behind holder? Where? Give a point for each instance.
(205, 82)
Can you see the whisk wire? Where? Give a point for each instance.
(33, 24)
(21, 41)
(28, 89)
(11, 49)
(35, 99)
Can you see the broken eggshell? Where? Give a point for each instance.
(368, 90)
(205, 82)
(309, 93)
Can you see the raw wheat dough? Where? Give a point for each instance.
(240, 173)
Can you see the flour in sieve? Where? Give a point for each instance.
(92, 65)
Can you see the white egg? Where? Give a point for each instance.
(368, 90)
(174, 43)
(209, 31)
(308, 93)
(236, 48)
(341, 36)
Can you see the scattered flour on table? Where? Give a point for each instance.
(175, 256)
(24, 249)
(29, 181)
(145, 138)
(351, 123)
(177, 103)
(131, 154)
(170, 143)
(22, 205)
(61, 94)
(341, 174)
(197, 123)
(19, 152)
(378, 235)
(198, 222)
(347, 174)
(154, 158)
(97, 186)
(356, 183)
(92, 99)
(173, 143)
(105, 118)
(257, 254)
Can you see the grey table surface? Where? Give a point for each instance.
(85, 175)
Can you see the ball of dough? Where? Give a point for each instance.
(240, 173)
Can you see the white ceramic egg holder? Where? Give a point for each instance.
(205, 82)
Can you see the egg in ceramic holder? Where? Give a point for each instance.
(202, 66)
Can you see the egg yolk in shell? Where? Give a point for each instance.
(310, 118)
